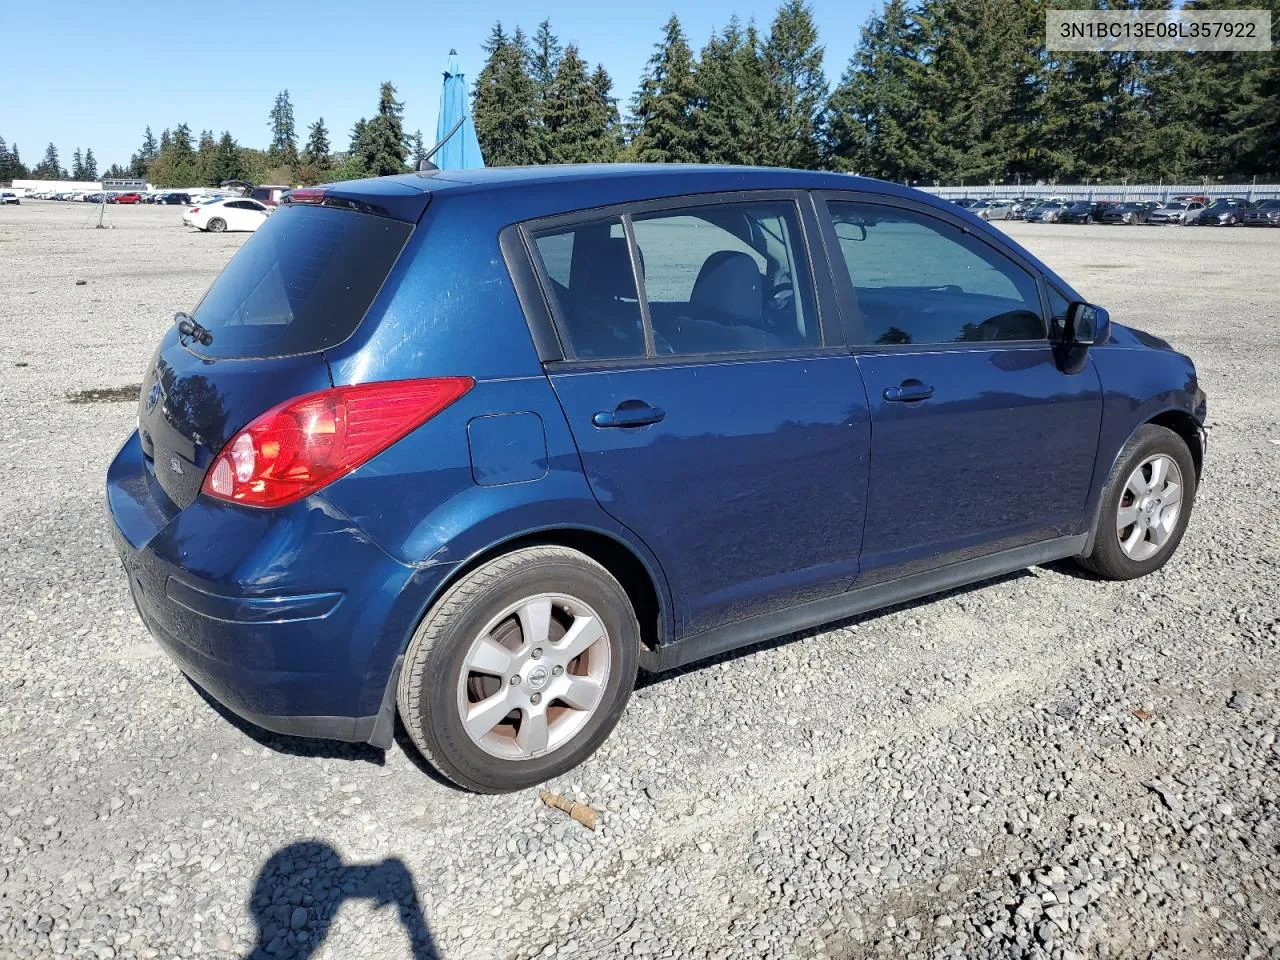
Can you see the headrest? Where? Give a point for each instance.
(602, 269)
(730, 284)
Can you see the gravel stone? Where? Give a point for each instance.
(1040, 766)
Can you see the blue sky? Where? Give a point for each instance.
(220, 65)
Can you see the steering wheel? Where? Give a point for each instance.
(779, 304)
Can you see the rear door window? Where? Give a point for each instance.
(301, 283)
(726, 278)
(593, 290)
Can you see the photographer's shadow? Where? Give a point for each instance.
(301, 887)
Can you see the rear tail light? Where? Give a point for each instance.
(194, 210)
(303, 444)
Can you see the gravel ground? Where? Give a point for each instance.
(1045, 766)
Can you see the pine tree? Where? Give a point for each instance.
(176, 165)
(417, 150)
(77, 165)
(90, 165)
(49, 168)
(284, 135)
(664, 108)
(731, 112)
(149, 150)
(383, 148)
(504, 104)
(611, 143)
(873, 114)
(797, 90)
(316, 162)
(5, 160)
(116, 172)
(579, 120)
(226, 161)
(545, 60)
(17, 169)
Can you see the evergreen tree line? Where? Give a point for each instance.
(84, 165)
(937, 90)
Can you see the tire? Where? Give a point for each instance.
(216, 225)
(481, 617)
(1109, 557)
(1089, 219)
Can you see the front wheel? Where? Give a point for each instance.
(521, 670)
(1088, 219)
(1145, 505)
(216, 225)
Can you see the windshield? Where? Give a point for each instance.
(301, 283)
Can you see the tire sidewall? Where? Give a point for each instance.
(218, 229)
(1147, 441)
(442, 731)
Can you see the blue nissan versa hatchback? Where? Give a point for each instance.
(476, 446)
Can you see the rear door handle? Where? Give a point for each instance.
(910, 390)
(629, 413)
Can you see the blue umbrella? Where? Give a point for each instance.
(462, 150)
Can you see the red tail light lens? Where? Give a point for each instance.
(303, 444)
(194, 210)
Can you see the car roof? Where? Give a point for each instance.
(564, 187)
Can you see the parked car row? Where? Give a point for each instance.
(126, 197)
(1182, 210)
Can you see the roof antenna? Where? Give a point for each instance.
(425, 165)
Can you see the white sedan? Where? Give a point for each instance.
(233, 213)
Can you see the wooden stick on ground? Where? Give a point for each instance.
(585, 815)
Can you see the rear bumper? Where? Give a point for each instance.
(292, 619)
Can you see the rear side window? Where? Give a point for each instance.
(918, 279)
(301, 283)
(597, 309)
(716, 278)
(726, 278)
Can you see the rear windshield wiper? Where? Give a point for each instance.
(188, 328)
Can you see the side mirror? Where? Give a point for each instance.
(850, 231)
(1087, 324)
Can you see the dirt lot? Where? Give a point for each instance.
(1045, 766)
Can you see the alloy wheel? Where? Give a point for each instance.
(534, 676)
(1149, 507)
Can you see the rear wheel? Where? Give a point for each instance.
(216, 225)
(1145, 505)
(521, 670)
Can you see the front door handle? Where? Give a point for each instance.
(629, 413)
(911, 390)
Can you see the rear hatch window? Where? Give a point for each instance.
(301, 283)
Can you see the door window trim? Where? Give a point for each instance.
(534, 290)
(855, 328)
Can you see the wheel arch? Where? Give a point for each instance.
(1185, 426)
(1171, 418)
(638, 575)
